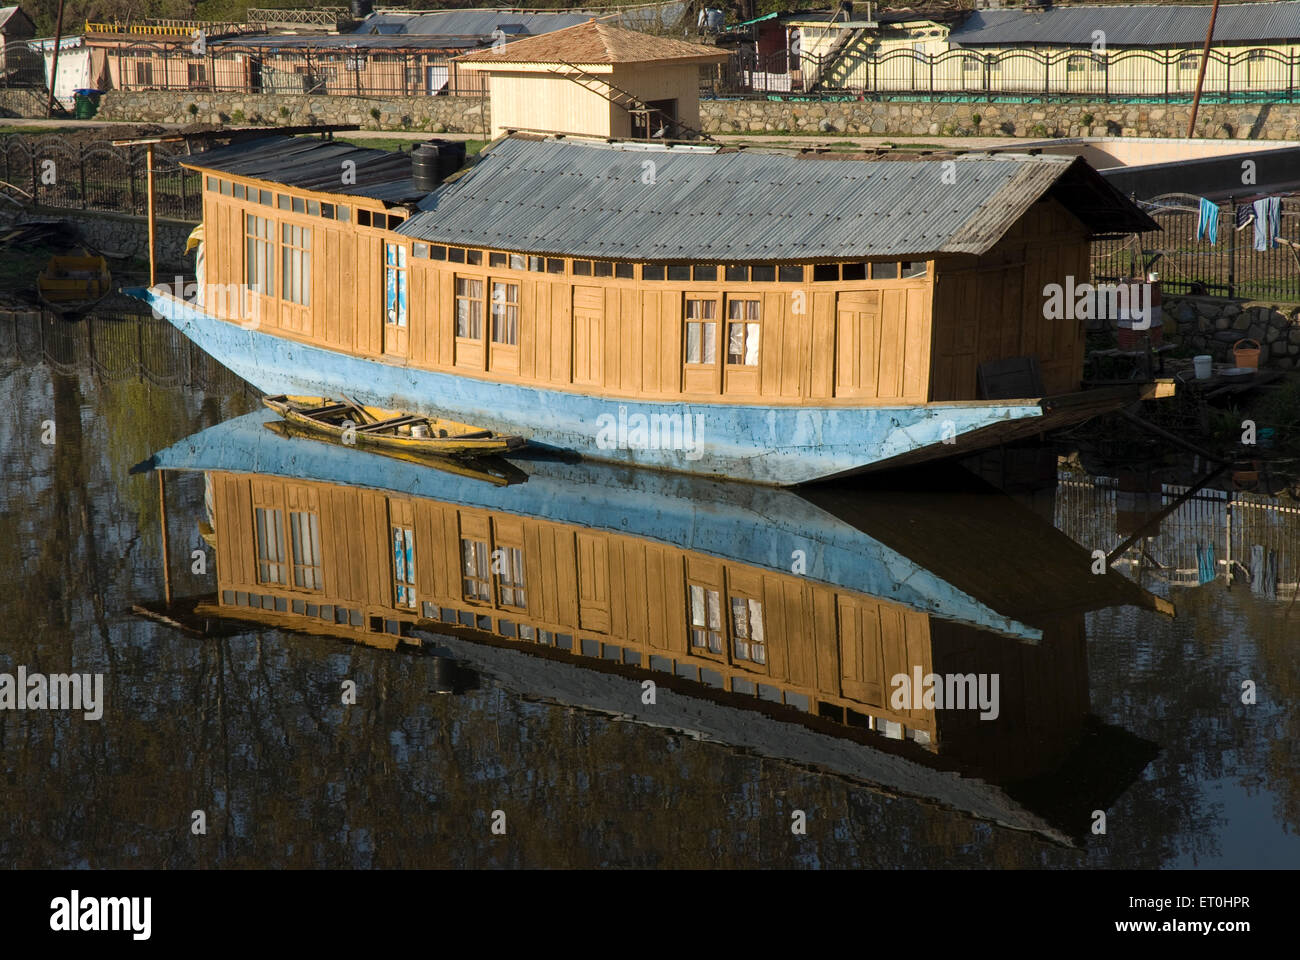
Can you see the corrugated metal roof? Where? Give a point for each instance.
(349, 41)
(1131, 26)
(312, 164)
(467, 23)
(600, 200)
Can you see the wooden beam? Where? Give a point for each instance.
(1154, 523)
(1200, 74)
(166, 552)
(54, 65)
(153, 262)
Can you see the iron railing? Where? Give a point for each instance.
(1232, 266)
(1262, 75)
(52, 172)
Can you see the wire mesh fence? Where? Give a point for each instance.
(1245, 260)
(51, 171)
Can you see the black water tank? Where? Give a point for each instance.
(361, 9)
(435, 160)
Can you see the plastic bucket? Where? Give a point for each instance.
(1246, 356)
(1204, 365)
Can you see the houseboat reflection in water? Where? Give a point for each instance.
(773, 621)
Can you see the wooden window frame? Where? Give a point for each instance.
(301, 567)
(506, 308)
(295, 252)
(403, 572)
(472, 301)
(265, 245)
(397, 281)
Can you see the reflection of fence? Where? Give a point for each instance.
(271, 68)
(1248, 76)
(1252, 538)
(116, 348)
(99, 176)
(1230, 267)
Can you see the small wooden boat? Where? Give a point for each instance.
(489, 469)
(72, 285)
(389, 431)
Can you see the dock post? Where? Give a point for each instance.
(152, 260)
(166, 552)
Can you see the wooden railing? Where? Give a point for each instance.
(163, 28)
(318, 17)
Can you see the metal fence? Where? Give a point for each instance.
(325, 70)
(1127, 76)
(1232, 266)
(52, 172)
(115, 348)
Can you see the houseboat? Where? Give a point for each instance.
(782, 618)
(763, 317)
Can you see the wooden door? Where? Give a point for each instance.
(593, 582)
(857, 343)
(588, 335)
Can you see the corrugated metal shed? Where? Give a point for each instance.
(1149, 25)
(312, 164)
(606, 200)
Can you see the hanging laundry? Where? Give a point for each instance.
(1206, 567)
(1268, 222)
(1207, 223)
(1245, 215)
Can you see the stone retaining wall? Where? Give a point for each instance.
(429, 114)
(117, 233)
(862, 117)
(1213, 324)
(913, 118)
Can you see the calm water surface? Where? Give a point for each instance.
(249, 728)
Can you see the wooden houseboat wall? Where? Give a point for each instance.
(330, 567)
(884, 331)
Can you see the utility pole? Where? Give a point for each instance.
(54, 66)
(1200, 74)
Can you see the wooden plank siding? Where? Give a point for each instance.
(615, 337)
(991, 307)
(850, 342)
(828, 645)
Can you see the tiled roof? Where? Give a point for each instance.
(595, 42)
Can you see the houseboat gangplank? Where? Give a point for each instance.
(763, 317)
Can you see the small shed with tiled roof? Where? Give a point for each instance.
(595, 79)
(16, 28)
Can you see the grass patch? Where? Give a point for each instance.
(404, 144)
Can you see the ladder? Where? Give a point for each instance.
(641, 113)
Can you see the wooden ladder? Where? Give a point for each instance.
(621, 99)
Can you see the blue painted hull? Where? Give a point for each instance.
(771, 529)
(777, 445)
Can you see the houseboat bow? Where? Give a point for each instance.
(761, 317)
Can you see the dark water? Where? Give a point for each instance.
(249, 728)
